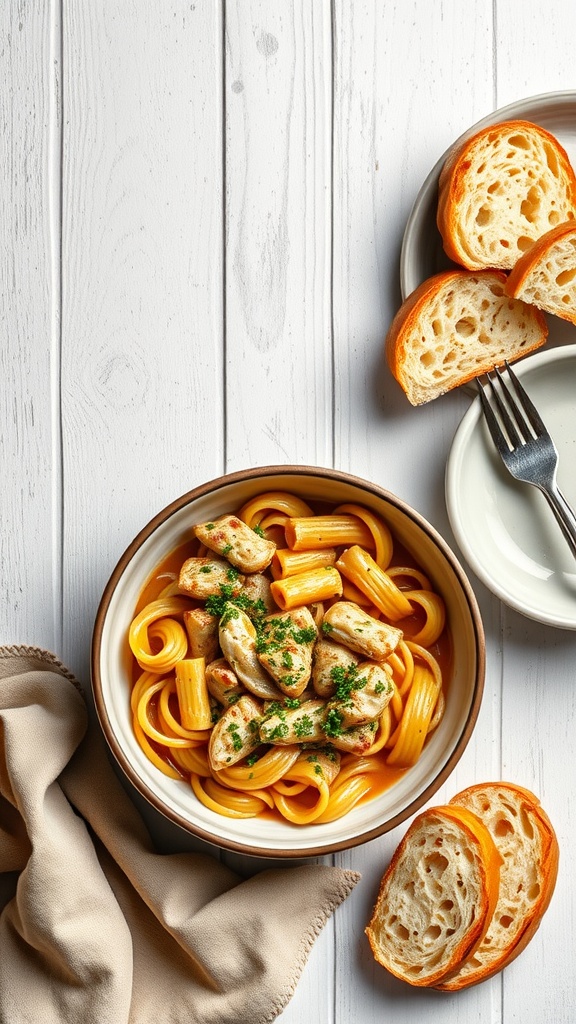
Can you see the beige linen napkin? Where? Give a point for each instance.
(101, 929)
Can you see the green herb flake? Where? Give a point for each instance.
(303, 727)
(279, 732)
(333, 723)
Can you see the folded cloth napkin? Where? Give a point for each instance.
(101, 929)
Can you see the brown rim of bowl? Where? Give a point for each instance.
(320, 849)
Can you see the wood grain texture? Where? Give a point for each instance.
(278, 229)
(29, 325)
(142, 326)
(202, 209)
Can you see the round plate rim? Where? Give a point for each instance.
(468, 426)
(518, 108)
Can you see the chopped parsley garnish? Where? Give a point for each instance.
(236, 738)
(227, 549)
(258, 529)
(279, 732)
(206, 568)
(346, 680)
(279, 632)
(305, 636)
(216, 604)
(230, 612)
(333, 723)
(291, 702)
(327, 628)
(275, 708)
(303, 727)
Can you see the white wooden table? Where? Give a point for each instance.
(202, 206)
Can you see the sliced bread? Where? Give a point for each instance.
(527, 843)
(437, 897)
(455, 325)
(546, 274)
(501, 190)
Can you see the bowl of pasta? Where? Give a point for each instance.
(288, 661)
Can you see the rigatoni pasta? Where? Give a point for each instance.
(293, 665)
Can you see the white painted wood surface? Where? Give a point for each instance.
(202, 207)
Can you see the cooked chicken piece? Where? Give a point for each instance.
(284, 647)
(350, 625)
(235, 734)
(357, 740)
(303, 724)
(202, 630)
(237, 636)
(257, 588)
(223, 683)
(230, 537)
(327, 656)
(362, 693)
(205, 577)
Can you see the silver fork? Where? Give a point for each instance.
(526, 448)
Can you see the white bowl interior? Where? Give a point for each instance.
(268, 837)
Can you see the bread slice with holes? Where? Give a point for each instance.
(546, 274)
(456, 325)
(500, 190)
(437, 897)
(527, 843)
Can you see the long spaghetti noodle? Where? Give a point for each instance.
(308, 758)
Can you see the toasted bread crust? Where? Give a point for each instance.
(437, 896)
(546, 274)
(456, 325)
(525, 837)
(500, 190)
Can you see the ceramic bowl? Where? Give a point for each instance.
(266, 837)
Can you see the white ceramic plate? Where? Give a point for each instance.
(422, 253)
(505, 529)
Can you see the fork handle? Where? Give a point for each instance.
(564, 514)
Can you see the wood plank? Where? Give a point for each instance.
(535, 54)
(533, 49)
(278, 328)
(538, 725)
(385, 143)
(29, 325)
(142, 278)
(278, 200)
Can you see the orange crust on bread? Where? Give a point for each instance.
(547, 874)
(488, 863)
(409, 314)
(453, 183)
(538, 252)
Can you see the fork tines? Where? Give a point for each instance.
(520, 423)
